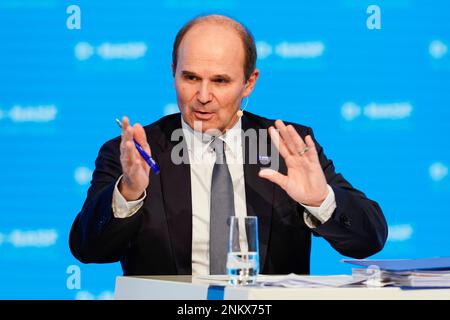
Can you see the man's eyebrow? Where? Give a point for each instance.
(216, 76)
(188, 73)
(223, 76)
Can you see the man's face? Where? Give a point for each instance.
(209, 78)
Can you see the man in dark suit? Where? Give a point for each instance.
(163, 224)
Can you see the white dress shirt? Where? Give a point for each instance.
(202, 159)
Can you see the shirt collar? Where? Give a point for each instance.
(198, 142)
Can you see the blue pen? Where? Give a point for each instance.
(144, 154)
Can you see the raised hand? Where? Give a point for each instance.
(135, 170)
(305, 181)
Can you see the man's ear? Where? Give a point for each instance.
(251, 83)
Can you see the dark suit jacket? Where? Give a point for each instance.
(157, 239)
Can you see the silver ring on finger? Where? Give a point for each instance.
(305, 150)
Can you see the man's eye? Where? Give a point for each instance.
(220, 80)
(190, 77)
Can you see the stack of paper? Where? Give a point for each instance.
(288, 281)
(429, 272)
(299, 281)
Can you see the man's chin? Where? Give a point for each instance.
(205, 126)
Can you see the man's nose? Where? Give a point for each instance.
(204, 94)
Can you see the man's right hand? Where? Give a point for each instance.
(135, 170)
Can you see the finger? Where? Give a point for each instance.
(125, 121)
(297, 140)
(125, 124)
(122, 136)
(286, 136)
(126, 144)
(128, 139)
(273, 176)
(141, 138)
(129, 133)
(130, 153)
(279, 144)
(312, 152)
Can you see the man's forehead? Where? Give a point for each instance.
(212, 30)
(218, 47)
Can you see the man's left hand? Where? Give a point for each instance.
(305, 181)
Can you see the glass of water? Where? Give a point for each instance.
(243, 250)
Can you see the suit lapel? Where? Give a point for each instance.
(176, 193)
(259, 192)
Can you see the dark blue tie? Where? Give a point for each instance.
(222, 207)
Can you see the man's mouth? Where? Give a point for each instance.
(203, 115)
